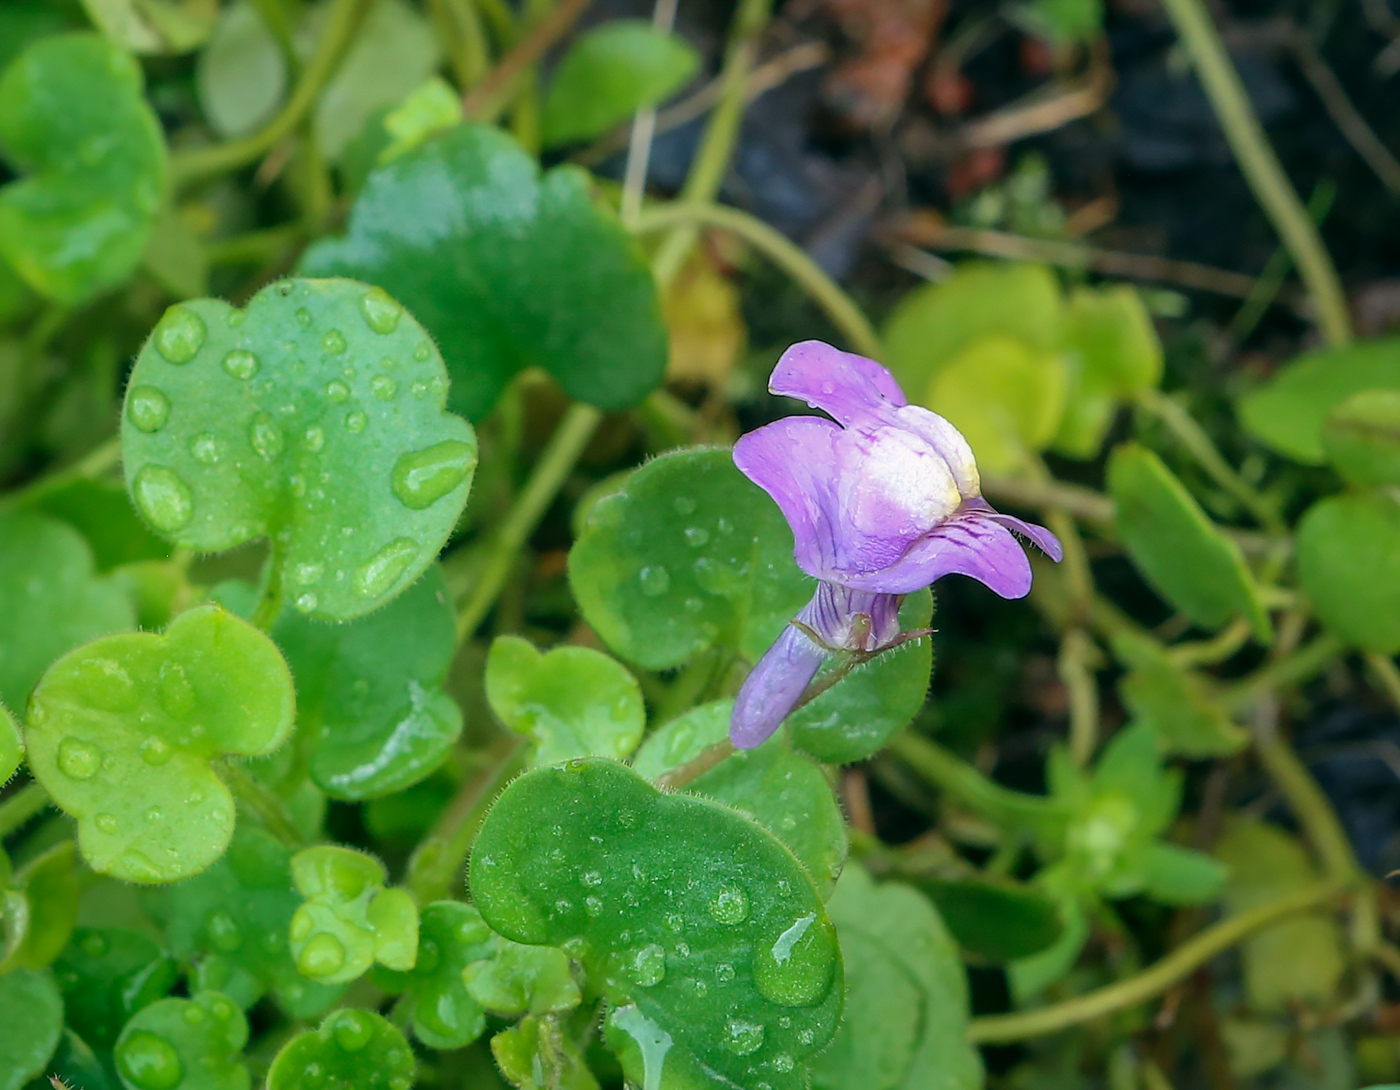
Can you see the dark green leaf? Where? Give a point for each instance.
(997, 921)
(31, 1019)
(184, 1044)
(107, 975)
(451, 936)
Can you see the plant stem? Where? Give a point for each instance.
(1006, 808)
(1150, 982)
(550, 472)
(708, 758)
(465, 37)
(491, 95)
(94, 463)
(269, 606)
(197, 164)
(787, 255)
(257, 798)
(1387, 675)
(24, 804)
(1076, 669)
(438, 859)
(1260, 164)
(1298, 666)
(1082, 503)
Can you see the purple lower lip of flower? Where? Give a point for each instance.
(882, 500)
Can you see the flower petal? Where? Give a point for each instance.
(794, 461)
(853, 389)
(948, 442)
(970, 543)
(773, 688)
(1042, 538)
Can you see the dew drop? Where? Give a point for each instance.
(265, 437)
(174, 691)
(147, 408)
(194, 1015)
(236, 318)
(724, 525)
(77, 760)
(241, 364)
(93, 945)
(384, 568)
(105, 684)
(180, 334)
(224, 933)
(164, 498)
(204, 449)
(303, 317)
(697, 536)
(724, 972)
(684, 505)
(384, 388)
(782, 1062)
(353, 1030)
(742, 1037)
(149, 1062)
(592, 878)
(322, 956)
(307, 602)
(694, 605)
(655, 581)
(381, 313)
(155, 814)
(419, 390)
(337, 392)
(334, 342)
(648, 966)
(422, 352)
(355, 421)
(156, 751)
(106, 823)
(796, 970)
(592, 905)
(423, 477)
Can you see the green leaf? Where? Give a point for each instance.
(536, 1054)
(1005, 396)
(781, 790)
(351, 1048)
(184, 1044)
(122, 733)
(73, 118)
(1030, 976)
(430, 108)
(1349, 565)
(1362, 438)
(1288, 413)
(1298, 960)
(1114, 354)
(1175, 875)
(507, 269)
(854, 718)
(31, 1019)
(101, 511)
(451, 936)
(999, 921)
(905, 1026)
(154, 26)
(370, 707)
(1179, 551)
(609, 72)
(312, 417)
(518, 979)
(78, 1066)
(176, 257)
(1175, 702)
(232, 922)
(107, 975)
(40, 909)
(689, 555)
(349, 920)
(50, 599)
(241, 75)
(11, 746)
(674, 904)
(572, 702)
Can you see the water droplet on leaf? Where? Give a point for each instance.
(353, 1030)
(324, 955)
(742, 1037)
(224, 933)
(204, 448)
(355, 421)
(314, 439)
(334, 342)
(303, 316)
(696, 536)
(384, 568)
(149, 1062)
(148, 408)
(156, 751)
(163, 498)
(648, 966)
(423, 477)
(684, 505)
(77, 760)
(106, 823)
(265, 437)
(655, 581)
(337, 391)
(383, 387)
(796, 970)
(381, 313)
(241, 364)
(180, 335)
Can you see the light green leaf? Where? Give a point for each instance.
(781, 790)
(312, 417)
(122, 733)
(11, 746)
(241, 75)
(185, 1044)
(451, 936)
(431, 108)
(1175, 702)
(1288, 413)
(41, 907)
(1179, 551)
(571, 702)
(673, 904)
(73, 118)
(154, 26)
(1362, 438)
(351, 1048)
(31, 1019)
(507, 268)
(536, 1054)
(609, 72)
(1175, 875)
(1349, 565)
(517, 979)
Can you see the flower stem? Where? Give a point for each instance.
(1152, 981)
(1260, 164)
(550, 472)
(197, 164)
(24, 804)
(1076, 669)
(257, 798)
(492, 94)
(1302, 664)
(708, 758)
(791, 258)
(439, 857)
(1006, 808)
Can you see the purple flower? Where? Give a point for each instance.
(882, 501)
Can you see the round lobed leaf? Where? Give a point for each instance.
(50, 599)
(783, 791)
(74, 118)
(40, 909)
(689, 554)
(538, 1052)
(370, 705)
(184, 1044)
(675, 904)
(352, 1048)
(1349, 564)
(518, 979)
(232, 921)
(11, 746)
(451, 936)
(998, 920)
(1362, 438)
(349, 920)
(1174, 701)
(31, 1020)
(313, 417)
(507, 268)
(107, 975)
(122, 733)
(572, 701)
